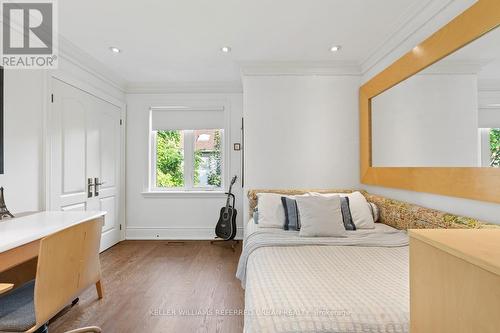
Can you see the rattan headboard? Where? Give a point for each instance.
(398, 214)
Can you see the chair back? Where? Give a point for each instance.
(68, 262)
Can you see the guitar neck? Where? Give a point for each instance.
(229, 195)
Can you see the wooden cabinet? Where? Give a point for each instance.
(454, 280)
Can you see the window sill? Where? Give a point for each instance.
(184, 194)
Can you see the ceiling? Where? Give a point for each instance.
(180, 41)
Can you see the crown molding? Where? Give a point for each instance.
(414, 19)
(288, 68)
(183, 87)
(78, 57)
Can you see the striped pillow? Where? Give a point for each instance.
(292, 220)
(292, 216)
(346, 214)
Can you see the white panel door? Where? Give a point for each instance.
(84, 139)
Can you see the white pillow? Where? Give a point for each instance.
(360, 209)
(271, 211)
(375, 211)
(320, 216)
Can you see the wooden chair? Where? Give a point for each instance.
(68, 262)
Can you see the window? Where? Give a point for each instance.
(489, 130)
(187, 159)
(490, 147)
(169, 159)
(495, 147)
(208, 158)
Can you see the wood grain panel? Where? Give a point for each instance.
(472, 183)
(67, 264)
(4, 287)
(449, 294)
(18, 255)
(20, 274)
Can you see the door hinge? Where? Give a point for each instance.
(52, 98)
(120, 227)
(121, 122)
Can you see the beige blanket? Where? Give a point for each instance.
(309, 288)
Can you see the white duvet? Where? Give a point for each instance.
(328, 287)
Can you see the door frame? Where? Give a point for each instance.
(46, 149)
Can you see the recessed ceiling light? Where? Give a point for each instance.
(225, 49)
(335, 48)
(115, 49)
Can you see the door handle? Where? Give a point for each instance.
(90, 184)
(96, 186)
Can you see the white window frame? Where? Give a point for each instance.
(189, 147)
(484, 147)
(150, 188)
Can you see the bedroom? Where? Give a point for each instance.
(133, 127)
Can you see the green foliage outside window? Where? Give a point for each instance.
(215, 160)
(169, 159)
(212, 163)
(495, 147)
(198, 154)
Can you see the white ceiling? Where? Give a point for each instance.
(179, 40)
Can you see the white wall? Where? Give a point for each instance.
(23, 148)
(428, 120)
(174, 216)
(482, 210)
(25, 100)
(301, 131)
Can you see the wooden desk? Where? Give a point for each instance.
(455, 280)
(60, 250)
(20, 237)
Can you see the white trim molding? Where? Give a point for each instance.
(416, 16)
(76, 56)
(184, 87)
(133, 233)
(419, 22)
(292, 68)
(184, 194)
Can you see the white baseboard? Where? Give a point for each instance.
(174, 233)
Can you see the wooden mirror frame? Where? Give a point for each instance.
(464, 182)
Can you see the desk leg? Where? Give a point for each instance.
(98, 287)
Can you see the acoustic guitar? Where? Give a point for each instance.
(226, 226)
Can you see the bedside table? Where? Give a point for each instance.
(454, 280)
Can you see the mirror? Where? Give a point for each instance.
(447, 115)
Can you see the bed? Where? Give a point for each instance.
(301, 284)
(359, 283)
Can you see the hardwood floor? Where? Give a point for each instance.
(157, 286)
